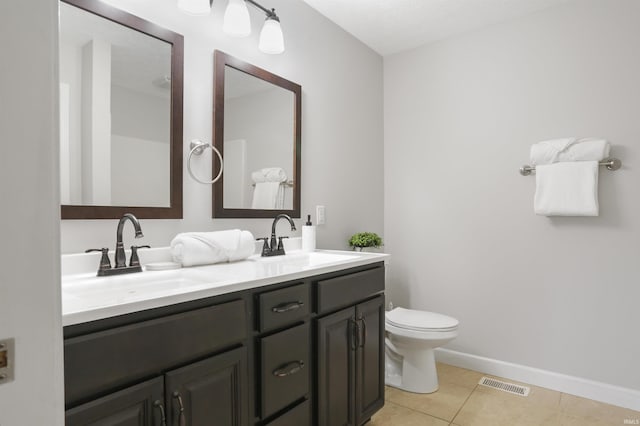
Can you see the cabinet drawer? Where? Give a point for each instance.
(285, 368)
(285, 306)
(106, 360)
(346, 290)
(298, 416)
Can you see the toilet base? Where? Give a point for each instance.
(414, 372)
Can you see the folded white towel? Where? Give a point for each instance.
(205, 248)
(567, 189)
(267, 195)
(269, 174)
(569, 149)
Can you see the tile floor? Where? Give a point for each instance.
(460, 401)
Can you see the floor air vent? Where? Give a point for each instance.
(504, 386)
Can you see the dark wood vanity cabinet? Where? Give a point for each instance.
(351, 364)
(284, 360)
(199, 369)
(137, 405)
(215, 388)
(307, 352)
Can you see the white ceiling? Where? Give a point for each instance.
(391, 26)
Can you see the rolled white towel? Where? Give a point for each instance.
(206, 248)
(569, 149)
(269, 174)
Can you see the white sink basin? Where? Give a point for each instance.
(302, 259)
(131, 287)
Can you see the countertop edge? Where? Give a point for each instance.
(217, 289)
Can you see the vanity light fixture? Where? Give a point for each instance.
(238, 24)
(236, 19)
(271, 39)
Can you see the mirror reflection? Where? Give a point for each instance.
(256, 126)
(258, 143)
(115, 113)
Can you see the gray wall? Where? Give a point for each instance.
(559, 294)
(342, 140)
(29, 218)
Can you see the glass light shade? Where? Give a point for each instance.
(271, 39)
(236, 19)
(195, 7)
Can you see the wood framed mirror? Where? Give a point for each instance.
(121, 90)
(257, 128)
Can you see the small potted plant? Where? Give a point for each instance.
(365, 239)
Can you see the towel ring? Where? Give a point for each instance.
(197, 148)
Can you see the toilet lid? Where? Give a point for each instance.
(420, 320)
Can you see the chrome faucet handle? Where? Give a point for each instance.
(105, 263)
(280, 245)
(265, 246)
(134, 260)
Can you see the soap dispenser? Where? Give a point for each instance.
(308, 236)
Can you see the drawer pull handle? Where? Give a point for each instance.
(362, 332)
(182, 419)
(159, 406)
(354, 332)
(288, 369)
(286, 307)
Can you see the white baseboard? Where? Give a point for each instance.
(610, 394)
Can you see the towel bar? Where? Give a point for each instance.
(609, 163)
(288, 184)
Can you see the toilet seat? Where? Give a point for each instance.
(421, 321)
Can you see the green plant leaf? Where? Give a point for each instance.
(365, 239)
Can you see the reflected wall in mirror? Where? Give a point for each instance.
(120, 114)
(257, 128)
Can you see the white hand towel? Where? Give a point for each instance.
(206, 248)
(569, 149)
(266, 195)
(269, 174)
(567, 189)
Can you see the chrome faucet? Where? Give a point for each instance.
(121, 258)
(121, 267)
(274, 246)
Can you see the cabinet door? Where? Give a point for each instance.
(209, 392)
(370, 359)
(336, 369)
(139, 405)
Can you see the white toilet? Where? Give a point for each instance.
(411, 337)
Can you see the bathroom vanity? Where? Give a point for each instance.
(295, 341)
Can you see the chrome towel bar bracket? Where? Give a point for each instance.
(609, 163)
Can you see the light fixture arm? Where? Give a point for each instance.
(271, 14)
(237, 22)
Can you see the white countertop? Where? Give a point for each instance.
(86, 297)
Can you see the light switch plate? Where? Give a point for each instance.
(320, 215)
(7, 356)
